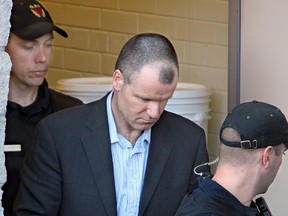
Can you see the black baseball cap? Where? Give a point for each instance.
(30, 20)
(259, 125)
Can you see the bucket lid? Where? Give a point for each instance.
(190, 90)
(85, 84)
(104, 84)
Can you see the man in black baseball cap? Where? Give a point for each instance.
(29, 99)
(254, 137)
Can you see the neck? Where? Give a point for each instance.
(237, 181)
(123, 128)
(22, 95)
(131, 137)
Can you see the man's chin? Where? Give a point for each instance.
(37, 81)
(146, 126)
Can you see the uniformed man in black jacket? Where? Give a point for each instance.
(253, 141)
(29, 99)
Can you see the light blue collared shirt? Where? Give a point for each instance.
(129, 165)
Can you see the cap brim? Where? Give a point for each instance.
(38, 30)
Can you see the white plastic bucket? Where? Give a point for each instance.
(87, 89)
(189, 100)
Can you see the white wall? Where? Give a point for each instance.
(264, 72)
(5, 65)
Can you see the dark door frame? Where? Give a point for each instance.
(234, 45)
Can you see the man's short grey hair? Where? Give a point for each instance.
(148, 48)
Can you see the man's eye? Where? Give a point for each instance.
(28, 47)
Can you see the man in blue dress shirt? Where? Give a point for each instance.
(122, 155)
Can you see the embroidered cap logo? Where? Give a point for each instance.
(37, 10)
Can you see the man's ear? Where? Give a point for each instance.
(266, 156)
(118, 80)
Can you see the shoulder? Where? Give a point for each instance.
(173, 121)
(62, 101)
(80, 113)
(205, 204)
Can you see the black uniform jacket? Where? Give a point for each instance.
(20, 129)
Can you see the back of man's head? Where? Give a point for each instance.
(254, 136)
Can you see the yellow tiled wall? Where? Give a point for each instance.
(98, 29)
